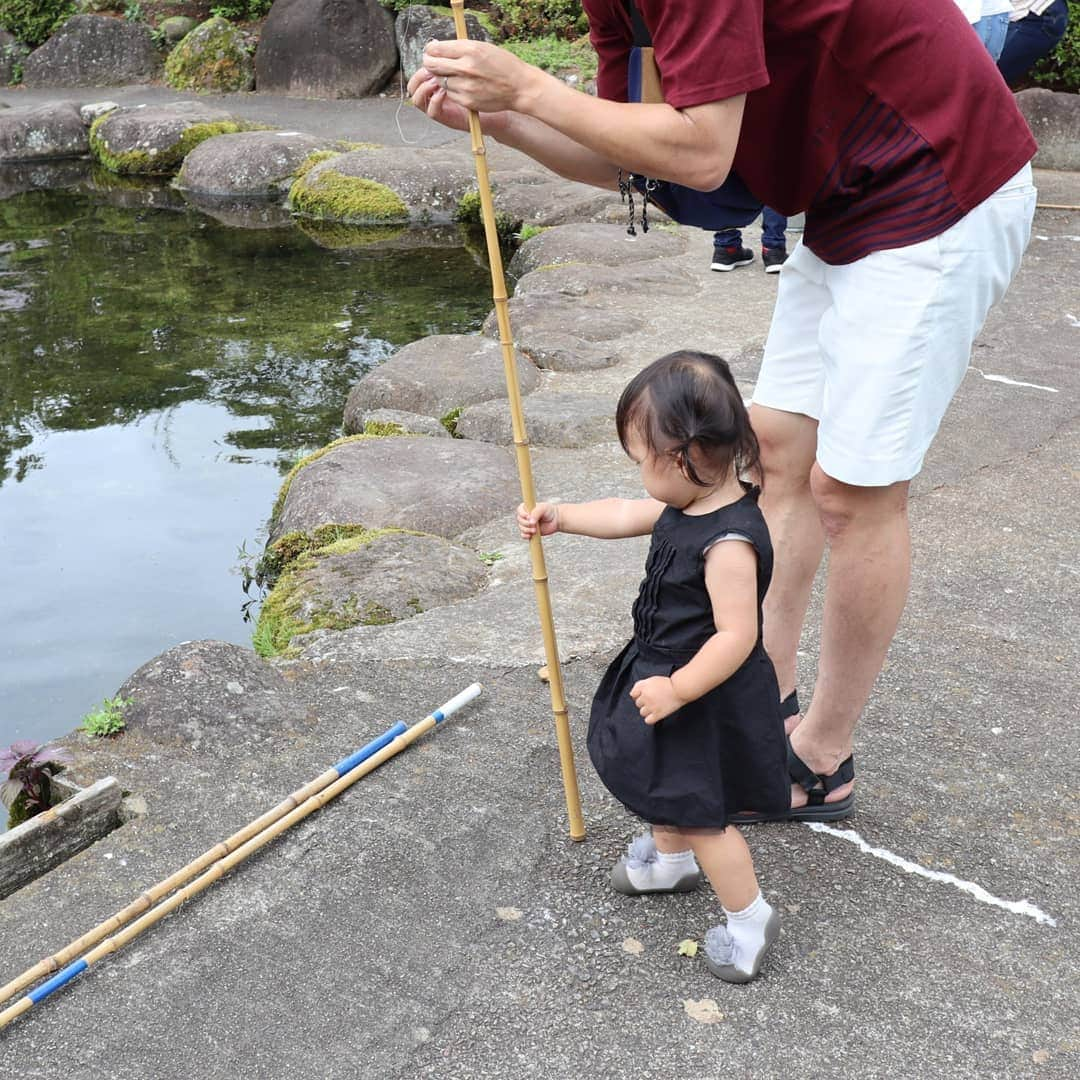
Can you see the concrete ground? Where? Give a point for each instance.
(437, 921)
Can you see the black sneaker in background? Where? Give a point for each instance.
(727, 258)
(773, 258)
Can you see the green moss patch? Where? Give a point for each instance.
(383, 428)
(470, 212)
(164, 162)
(331, 195)
(316, 157)
(279, 618)
(211, 58)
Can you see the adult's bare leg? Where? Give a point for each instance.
(788, 446)
(869, 571)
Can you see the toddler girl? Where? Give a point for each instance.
(685, 727)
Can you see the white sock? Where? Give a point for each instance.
(648, 868)
(747, 930)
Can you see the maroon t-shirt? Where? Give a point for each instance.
(885, 120)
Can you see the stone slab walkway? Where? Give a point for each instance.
(436, 921)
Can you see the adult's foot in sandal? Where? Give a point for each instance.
(823, 788)
(814, 796)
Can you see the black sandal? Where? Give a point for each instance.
(816, 785)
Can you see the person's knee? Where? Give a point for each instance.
(843, 508)
(788, 442)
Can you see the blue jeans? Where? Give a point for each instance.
(772, 232)
(992, 30)
(1030, 39)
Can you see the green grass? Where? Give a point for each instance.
(555, 55)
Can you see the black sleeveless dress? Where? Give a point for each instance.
(716, 756)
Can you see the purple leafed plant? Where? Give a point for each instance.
(28, 767)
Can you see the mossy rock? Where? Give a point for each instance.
(175, 28)
(370, 578)
(154, 141)
(213, 57)
(283, 491)
(325, 194)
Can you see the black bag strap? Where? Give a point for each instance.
(642, 36)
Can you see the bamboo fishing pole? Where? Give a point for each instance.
(353, 768)
(524, 464)
(162, 889)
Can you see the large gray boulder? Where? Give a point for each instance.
(563, 334)
(212, 58)
(40, 132)
(434, 376)
(92, 50)
(428, 183)
(398, 422)
(214, 698)
(155, 139)
(438, 486)
(371, 579)
(1055, 120)
(606, 245)
(325, 48)
(645, 279)
(570, 420)
(177, 27)
(418, 24)
(247, 163)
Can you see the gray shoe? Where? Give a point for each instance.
(642, 855)
(720, 952)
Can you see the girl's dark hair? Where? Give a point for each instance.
(688, 400)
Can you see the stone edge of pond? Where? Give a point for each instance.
(338, 182)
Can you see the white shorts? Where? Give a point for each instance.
(876, 349)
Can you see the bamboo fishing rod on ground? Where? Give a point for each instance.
(162, 889)
(524, 464)
(224, 857)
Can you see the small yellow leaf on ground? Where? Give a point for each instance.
(688, 947)
(633, 946)
(508, 914)
(705, 1011)
(1041, 1057)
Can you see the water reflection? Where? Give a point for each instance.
(158, 370)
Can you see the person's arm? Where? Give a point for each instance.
(731, 581)
(579, 136)
(605, 519)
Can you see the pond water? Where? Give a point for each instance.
(159, 372)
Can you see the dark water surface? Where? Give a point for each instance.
(159, 371)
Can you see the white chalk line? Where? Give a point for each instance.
(1015, 907)
(1013, 382)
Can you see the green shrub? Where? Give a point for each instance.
(1061, 69)
(241, 10)
(516, 19)
(32, 21)
(555, 54)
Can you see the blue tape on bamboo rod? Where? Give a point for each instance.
(65, 976)
(388, 736)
